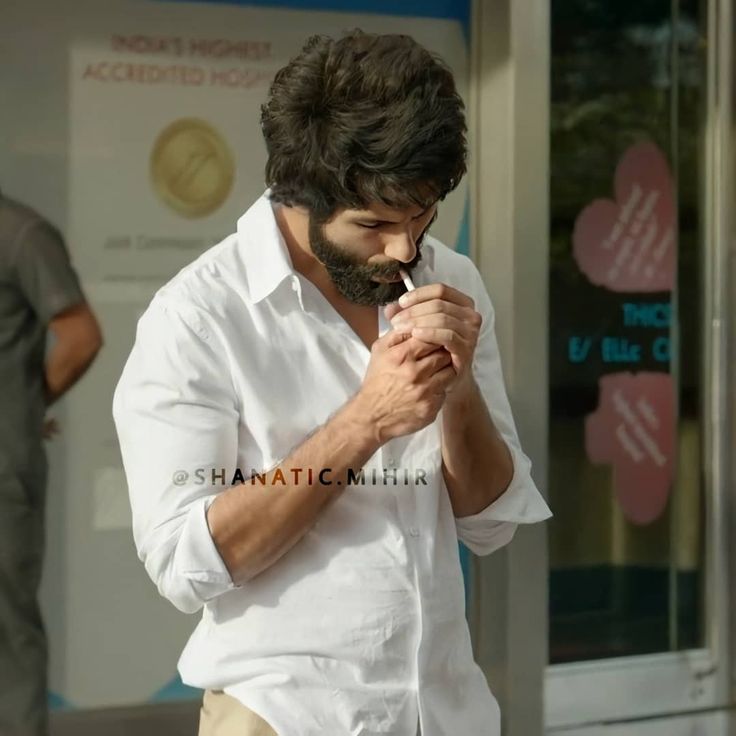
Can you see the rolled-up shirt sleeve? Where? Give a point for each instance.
(177, 421)
(521, 502)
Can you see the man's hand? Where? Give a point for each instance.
(440, 315)
(49, 428)
(405, 385)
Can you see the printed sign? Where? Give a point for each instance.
(630, 244)
(634, 431)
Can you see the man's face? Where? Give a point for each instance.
(363, 250)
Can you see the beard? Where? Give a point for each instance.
(354, 279)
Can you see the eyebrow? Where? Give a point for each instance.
(378, 221)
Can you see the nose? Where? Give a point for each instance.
(401, 247)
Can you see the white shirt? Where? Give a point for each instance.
(360, 628)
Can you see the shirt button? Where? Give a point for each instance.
(391, 462)
(413, 531)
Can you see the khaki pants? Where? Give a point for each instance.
(223, 715)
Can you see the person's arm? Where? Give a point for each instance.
(175, 411)
(77, 340)
(477, 464)
(486, 473)
(252, 526)
(493, 526)
(50, 284)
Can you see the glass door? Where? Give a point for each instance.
(638, 437)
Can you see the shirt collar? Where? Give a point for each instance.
(268, 261)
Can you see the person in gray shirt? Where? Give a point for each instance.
(39, 294)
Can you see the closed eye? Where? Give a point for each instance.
(374, 225)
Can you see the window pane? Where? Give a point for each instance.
(626, 541)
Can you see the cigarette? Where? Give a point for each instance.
(407, 280)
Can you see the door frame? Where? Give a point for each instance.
(509, 180)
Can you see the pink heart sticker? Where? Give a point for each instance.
(631, 244)
(633, 430)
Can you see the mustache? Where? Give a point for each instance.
(344, 265)
(391, 270)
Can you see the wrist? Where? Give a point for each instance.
(464, 392)
(362, 425)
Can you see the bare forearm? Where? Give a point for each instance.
(476, 463)
(65, 365)
(253, 525)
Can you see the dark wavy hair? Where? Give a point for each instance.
(361, 119)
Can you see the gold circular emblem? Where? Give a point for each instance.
(192, 167)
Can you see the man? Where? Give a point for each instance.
(298, 466)
(39, 292)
